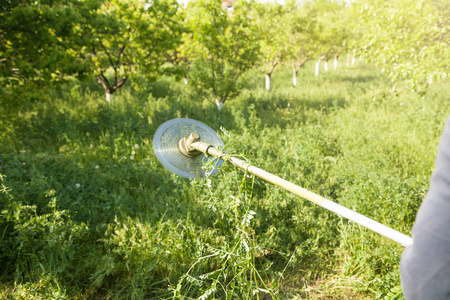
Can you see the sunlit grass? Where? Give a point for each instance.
(87, 211)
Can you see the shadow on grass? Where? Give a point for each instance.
(287, 110)
(359, 78)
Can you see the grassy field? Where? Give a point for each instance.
(87, 211)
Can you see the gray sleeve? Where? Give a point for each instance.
(425, 265)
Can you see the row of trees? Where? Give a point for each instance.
(409, 40)
(43, 42)
(262, 35)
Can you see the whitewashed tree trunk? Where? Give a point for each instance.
(268, 82)
(317, 68)
(353, 60)
(335, 62)
(109, 97)
(325, 66)
(186, 80)
(294, 78)
(219, 104)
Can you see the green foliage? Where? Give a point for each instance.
(270, 21)
(46, 41)
(40, 245)
(87, 211)
(228, 268)
(335, 28)
(302, 30)
(409, 40)
(177, 56)
(223, 46)
(39, 40)
(130, 38)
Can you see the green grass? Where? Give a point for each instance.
(87, 211)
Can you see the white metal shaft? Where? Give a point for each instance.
(375, 226)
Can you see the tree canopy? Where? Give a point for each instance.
(410, 40)
(223, 45)
(40, 39)
(117, 41)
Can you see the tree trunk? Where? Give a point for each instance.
(110, 90)
(317, 68)
(336, 62)
(109, 97)
(348, 59)
(219, 104)
(268, 82)
(325, 66)
(186, 81)
(294, 77)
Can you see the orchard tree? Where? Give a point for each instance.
(129, 38)
(178, 60)
(40, 42)
(301, 29)
(321, 47)
(271, 22)
(332, 31)
(408, 39)
(339, 26)
(44, 41)
(223, 47)
(353, 33)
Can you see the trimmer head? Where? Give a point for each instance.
(168, 145)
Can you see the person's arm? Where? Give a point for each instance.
(425, 265)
